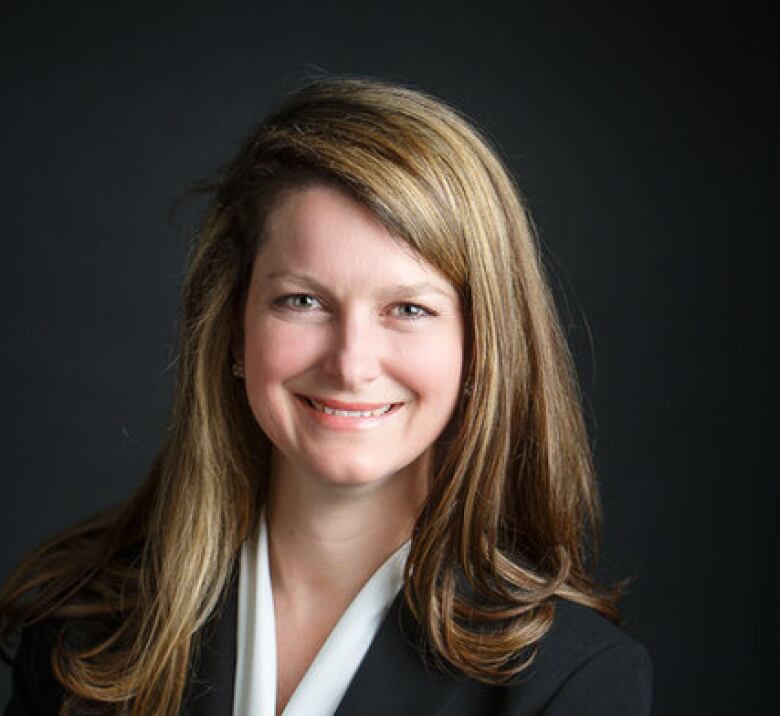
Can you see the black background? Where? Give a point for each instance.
(643, 138)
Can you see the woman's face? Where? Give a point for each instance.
(353, 344)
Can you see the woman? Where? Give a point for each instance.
(376, 486)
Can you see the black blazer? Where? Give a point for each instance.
(585, 666)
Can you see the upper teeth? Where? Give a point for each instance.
(351, 413)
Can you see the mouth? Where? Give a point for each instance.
(355, 411)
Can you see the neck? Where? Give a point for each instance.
(329, 539)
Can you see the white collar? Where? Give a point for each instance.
(323, 685)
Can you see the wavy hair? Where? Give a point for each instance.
(512, 513)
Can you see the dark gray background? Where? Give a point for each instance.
(643, 138)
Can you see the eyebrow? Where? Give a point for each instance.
(410, 289)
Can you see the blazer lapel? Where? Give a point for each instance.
(393, 679)
(209, 689)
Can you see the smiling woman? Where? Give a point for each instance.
(376, 488)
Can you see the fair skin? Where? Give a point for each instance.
(341, 316)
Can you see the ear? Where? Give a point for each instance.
(237, 355)
(237, 347)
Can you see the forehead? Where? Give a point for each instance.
(322, 229)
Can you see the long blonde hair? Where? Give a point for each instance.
(513, 501)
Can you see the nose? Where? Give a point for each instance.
(353, 359)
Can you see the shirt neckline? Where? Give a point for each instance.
(326, 680)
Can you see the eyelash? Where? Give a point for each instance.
(286, 302)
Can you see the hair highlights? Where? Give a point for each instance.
(513, 494)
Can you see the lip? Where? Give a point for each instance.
(346, 422)
(341, 405)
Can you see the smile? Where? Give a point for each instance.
(347, 416)
(350, 413)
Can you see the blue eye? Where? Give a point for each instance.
(298, 301)
(412, 310)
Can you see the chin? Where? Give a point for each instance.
(352, 473)
(350, 478)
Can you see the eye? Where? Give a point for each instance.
(411, 310)
(298, 301)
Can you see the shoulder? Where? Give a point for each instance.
(584, 665)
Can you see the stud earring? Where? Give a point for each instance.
(468, 387)
(238, 369)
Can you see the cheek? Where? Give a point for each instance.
(275, 352)
(432, 369)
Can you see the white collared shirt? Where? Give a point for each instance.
(323, 685)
